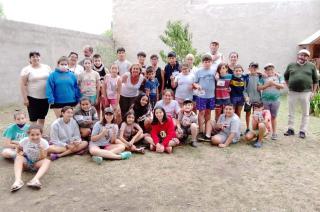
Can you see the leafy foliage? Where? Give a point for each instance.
(179, 39)
(315, 104)
(1, 11)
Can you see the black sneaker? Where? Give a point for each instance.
(194, 144)
(289, 132)
(204, 138)
(302, 135)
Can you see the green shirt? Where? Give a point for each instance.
(14, 133)
(301, 77)
(271, 93)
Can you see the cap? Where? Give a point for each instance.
(254, 64)
(268, 65)
(172, 54)
(108, 110)
(186, 101)
(304, 51)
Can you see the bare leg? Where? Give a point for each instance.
(77, 148)
(238, 110)
(41, 122)
(201, 121)
(194, 131)
(18, 167)
(8, 153)
(249, 136)
(43, 166)
(96, 151)
(262, 131)
(248, 114)
(57, 112)
(274, 125)
(216, 140)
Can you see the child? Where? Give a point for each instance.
(260, 124)
(251, 92)
(183, 83)
(229, 128)
(99, 67)
(151, 86)
(188, 123)
(31, 154)
(104, 142)
(270, 87)
(159, 73)
(141, 61)
(131, 133)
(14, 133)
(142, 112)
(170, 105)
(123, 64)
(205, 84)
(89, 82)
(86, 116)
(222, 89)
(162, 133)
(237, 84)
(65, 136)
(172, 68)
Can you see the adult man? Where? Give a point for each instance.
(217, 56)
(87, 52)
(301, 78)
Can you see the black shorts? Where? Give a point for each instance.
(247, 107)
(61, 105)
(37, 109)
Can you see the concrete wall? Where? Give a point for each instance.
(262, 32)
(18, 39)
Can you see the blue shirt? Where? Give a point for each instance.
(206, 79)
(15, 133)
(62, 87)
(152, 85)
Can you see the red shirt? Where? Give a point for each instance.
(166, 130)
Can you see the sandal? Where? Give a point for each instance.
(34, 184)
(17, 185)
(140, 150)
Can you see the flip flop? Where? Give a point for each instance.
(34, 184)
(17, 185)
(140, 150)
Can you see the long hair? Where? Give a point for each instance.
(155, 119)
(138, 109)
(130, 112)
(104, 121)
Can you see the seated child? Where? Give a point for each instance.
(13, 134)
(229, 128)
(151, 86)
(261, 124)
(86, 116)
(31, 154)
(187, 123)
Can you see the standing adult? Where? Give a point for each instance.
(33, 88)
(302, 80)
(131, 82)
(233, 61)
(87, 52)
(72, 64)
(217, 56)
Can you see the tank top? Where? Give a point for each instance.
(130, 90)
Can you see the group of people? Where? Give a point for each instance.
(129, 107)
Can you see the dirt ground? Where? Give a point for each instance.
(282, 176)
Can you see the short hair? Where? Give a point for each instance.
(257, 104)
(120, 49)
(238, 66)
(61, 59)
(236, 53)
(167, 90)
(131, 67)
(65, 108)
(88, 47)
(85, 98)
(18, 112)
(149, 69)
(172, 54)
(35, 127)
(87, 58)
(206, 57)
(34, 53)
(141, 54)
(73, 53)
(96, 56)
(214, 43)
(154, 56)
(190, 56)
(185, 65)
(229, 104)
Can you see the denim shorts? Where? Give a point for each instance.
(237, 100)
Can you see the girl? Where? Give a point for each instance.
(89, 82)
(104, 142)
(222, 89)
(86, 116)
(131, 133)
(31, 154)
(13, 134)
(162, 133)
(142, 112)
(237, 84)
(233, 60)
(170, 105)
(62, 87)
(183, 82)
(65, 135)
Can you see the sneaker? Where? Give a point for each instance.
(97, 159)
(204, 138)
(274, 137)
(289, 132)
(302, 135)
(194, 144)
(125, 155)
(257, 144)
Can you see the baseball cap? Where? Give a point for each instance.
(254, 64)
(108, 110)
(172, 54)
(268, 65)
(304, 51)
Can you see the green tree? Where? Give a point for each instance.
(179, 39)
(1, 11)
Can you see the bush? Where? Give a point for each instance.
(315, 105)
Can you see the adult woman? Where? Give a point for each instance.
(33, 88)
(233, 61)
(170, 105)
(190, 61)
(72, 64)
(62, 87)
(131, 82)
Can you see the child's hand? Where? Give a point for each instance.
(222, 145)
(104, 131)
(125, 78)
(246, 99)
(159, 148)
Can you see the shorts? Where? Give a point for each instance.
(92, 144)
(273, 107)
(237, 101)
(194, 98)
(222, 102)
(205, 103)
(186, 131)
(247, 107)
(61, 105)
(224, 138)
(37, 109)
(30, 164)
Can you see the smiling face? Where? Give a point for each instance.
(237, 71)
(269, 71)
(135, 70)
(73, 59)
(172, 60)
(233, 58)
(302, 58)
(35, 135)
(68, 114)
(97, 61)
(108, 117)
(87, 52)
(130, 119)
(188, 107)
(185, 70)
(35, 60)
(87, 65)
(223, 70)
(229, 111)
(85, 105)
(159, 114)
(114, 70)
(144, 101)
(20, 119)
(167, 96)
(214, 48)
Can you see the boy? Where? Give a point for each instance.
(217, 57)
(99, 67)
(229, 128)
(87, 52)
(205, 84)
(260, 124)
(123, 64)
(270, 87)
(187, 123)
(251, 93)
(158, 71)
(172, 68)
(151, 86)
(141, 61)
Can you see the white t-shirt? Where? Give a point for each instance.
(130, 90)
(32, 150)
(184, 88)
(172, 109)
(77, 70)
(37, 79)
(87, 82)
(111, 86)
(124, 66)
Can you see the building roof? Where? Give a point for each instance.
(314, 38)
